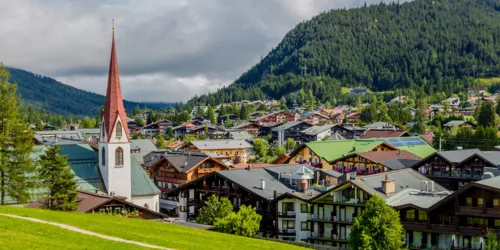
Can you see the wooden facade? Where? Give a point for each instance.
(166, 176)
(237, 155)
(453, 175)
(193, 195)
(279, 117)
(359, 164)
(460, 220)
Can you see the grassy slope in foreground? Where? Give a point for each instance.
(22, 234)
(155, 233)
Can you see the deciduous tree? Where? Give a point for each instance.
(378, 227)
(215, 208)
(244, 223)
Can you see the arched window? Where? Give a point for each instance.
(103, 157)
(119, 157)
(119, 129)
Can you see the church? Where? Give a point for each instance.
(119, 175)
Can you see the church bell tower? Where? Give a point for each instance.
(114, 142)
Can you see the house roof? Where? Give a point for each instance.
(397, 163)
(314, 130)
(287, 125)
(142, 185)
(84, 164)
(267, 115)
(405, 179)
(491, 182)
(413, 144)
(113, 107)
(184, 163)
(379, 125)
(336, 137)
(220, 144)
(455, 122)
(457, 156)
(382, 133)
(240, 135)
(59, 137)
(381, 156)
(332, 150)
(145, 146)
(416, 198)
(332, 172)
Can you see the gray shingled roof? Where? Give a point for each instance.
(405, 178)
(395, 164)
(457, 156)
(240, 135)
(184, 163)
(331, 172)
(491, 182)
(415, 197)
(456, 122)
(286, 126)
(251, 180)
(220, 144)
(142, 185)
(314, 130)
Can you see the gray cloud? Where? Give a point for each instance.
(167, 50)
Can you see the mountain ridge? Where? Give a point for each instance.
(44, 92)
(420, 44)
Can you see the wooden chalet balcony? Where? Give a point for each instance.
(441, 228)
(469, 210)
(415, 226)
(205, 170)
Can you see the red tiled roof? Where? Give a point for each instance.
(382, 133)
(380, 156)
(113, 107)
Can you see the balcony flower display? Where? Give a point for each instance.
(347, 170)
(359, 171)
(338, 169)
(371, 172)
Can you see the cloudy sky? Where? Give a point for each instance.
(168, 50)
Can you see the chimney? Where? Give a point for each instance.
(185, 164)
(388, 186)
(303, 185)
(262, 184)
(430, 187)
(423, 185)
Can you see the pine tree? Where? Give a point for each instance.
(223, 111)
(211, 115)
(16, 145)
(56, 176)
(244, 114)
(283, 104)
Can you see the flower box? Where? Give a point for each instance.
(359, 171)
(347, 170)
(338, 170)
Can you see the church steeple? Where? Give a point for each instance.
(113, 108)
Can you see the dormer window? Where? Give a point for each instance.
(119, 129)
(119, 157)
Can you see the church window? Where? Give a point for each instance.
(119, 129)
(119, 157)
(103, 157)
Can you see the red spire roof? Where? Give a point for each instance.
(114, 101)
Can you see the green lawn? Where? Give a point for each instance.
(489, 81)
(155, 233)
(22, 234)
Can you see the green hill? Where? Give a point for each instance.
(46, 93)
(426, 45)
(154, 233)
(21, 234)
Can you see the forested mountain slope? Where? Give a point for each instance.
(46, 93)
(425, 45)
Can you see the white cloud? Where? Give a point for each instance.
(167, 50)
